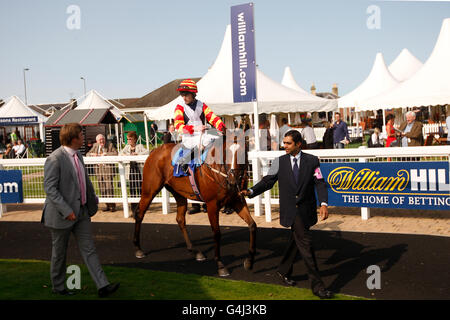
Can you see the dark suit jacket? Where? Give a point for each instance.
(295, 199)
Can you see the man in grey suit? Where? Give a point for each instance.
(69, 206)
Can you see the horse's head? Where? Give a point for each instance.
(235, 150)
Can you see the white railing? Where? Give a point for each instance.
(118, 178)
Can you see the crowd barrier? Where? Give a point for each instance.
(115, 171)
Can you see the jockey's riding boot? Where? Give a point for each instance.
(195, 208)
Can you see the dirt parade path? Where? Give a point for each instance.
(425, 222)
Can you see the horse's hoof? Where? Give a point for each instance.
(199, 256)
(140, 254)
(223, 272)
(248, 264)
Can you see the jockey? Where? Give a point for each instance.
(191, 116)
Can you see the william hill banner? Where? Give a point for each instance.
(404, 185)
(243, 53)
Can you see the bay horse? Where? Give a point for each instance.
(219, 183)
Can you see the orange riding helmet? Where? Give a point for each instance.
(188, 85)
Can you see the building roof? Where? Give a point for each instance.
(327, 95)
(122, 103)
(160, 96)
(85, 117)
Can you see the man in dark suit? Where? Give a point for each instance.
(297, 174)
(68, 208)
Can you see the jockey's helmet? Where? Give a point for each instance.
(187, 85)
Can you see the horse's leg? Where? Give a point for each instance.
(242, 210)
(181, 220)
(213, 215)
(150, 189)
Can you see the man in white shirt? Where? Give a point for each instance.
(19, 148)
(308, 135)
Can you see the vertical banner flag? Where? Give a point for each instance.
(243, 53)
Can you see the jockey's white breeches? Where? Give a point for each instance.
(196, 139)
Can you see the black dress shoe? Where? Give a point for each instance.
(286, 280)
(109, 289)
(63, 292)
(324, 294)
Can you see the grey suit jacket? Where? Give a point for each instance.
(63, 192)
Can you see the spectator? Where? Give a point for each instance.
(15, 147)
(284, 128)
(340, 132)
(21, 149)
(390, 131)
(153, 134)
(411, 131)
(244, 124)
(134, 175)
(327, 136)
(265, 140)
(13, 137)
(375, 141)
(9, 153)
(171, 135)
(104, 172)
(308, 135)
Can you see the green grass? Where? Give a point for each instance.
(30, 280)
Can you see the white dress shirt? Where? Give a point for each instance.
(71, 153)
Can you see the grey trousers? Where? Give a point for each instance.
(83, 234)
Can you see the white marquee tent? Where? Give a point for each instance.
(289, 81)
(430, 86)
(404, 66)
(93, 100)
(216, 90)
(379, 80)
(16, 109)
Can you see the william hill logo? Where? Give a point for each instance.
(346, 179)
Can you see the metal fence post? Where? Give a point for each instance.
(123, 187)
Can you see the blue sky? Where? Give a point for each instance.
(129, 48)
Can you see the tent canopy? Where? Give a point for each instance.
(289, 81)
(430, 85)
(404, 66)
(216, 90)
(379, 80)
(15, 112)
(93, 100)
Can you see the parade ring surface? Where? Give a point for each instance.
(413, 266)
